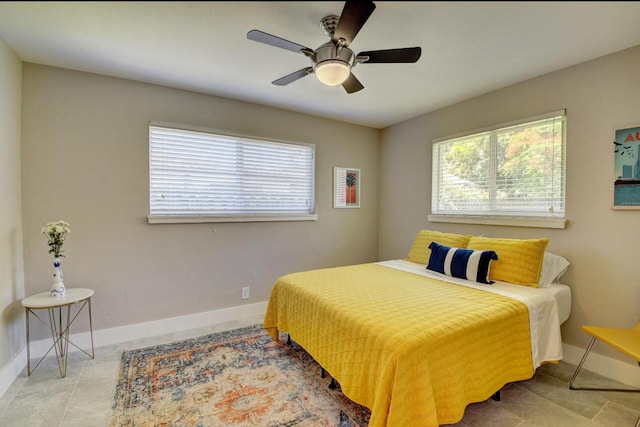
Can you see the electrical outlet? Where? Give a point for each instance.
(245, 292)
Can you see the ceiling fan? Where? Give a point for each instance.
(333, 61)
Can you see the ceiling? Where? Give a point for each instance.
(468, 48)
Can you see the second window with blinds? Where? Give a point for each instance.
(510, 174)
(199, 175)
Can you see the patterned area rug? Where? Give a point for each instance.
(234, 378)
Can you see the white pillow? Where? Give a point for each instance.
(553, 267)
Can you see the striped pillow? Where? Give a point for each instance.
(462, 263)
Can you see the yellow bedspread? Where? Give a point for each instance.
(414, 350)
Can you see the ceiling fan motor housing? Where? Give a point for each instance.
(330, 52)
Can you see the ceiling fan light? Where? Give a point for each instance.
(332, 72)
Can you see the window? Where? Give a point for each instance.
(512, 174)
(196, 175)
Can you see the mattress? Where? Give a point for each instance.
(562, 295)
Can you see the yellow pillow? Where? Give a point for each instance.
(420, 251)
(519, 261)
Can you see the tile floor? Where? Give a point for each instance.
(84, 397)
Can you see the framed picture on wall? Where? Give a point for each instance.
(626, 168)
(346, 187)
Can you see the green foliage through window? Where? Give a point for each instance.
(515, 170)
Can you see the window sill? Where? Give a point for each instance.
(499, 220)
(189, 219)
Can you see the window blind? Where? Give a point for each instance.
(193, 172)
(513, 170)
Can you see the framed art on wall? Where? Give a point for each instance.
(346, 187)
(626, 168)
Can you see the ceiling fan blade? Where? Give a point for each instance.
(262, 37)
(402, 55)
(352, 84)
(283, 81)
(354, 15)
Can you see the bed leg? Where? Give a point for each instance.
(322, 373)
(288, 339)
(496, 396)
(333, 385)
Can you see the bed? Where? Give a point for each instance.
(417, 346)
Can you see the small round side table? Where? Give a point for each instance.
(59, 324)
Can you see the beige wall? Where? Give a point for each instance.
(11, 268)
(85, 161)
(601, 243)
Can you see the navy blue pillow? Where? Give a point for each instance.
(461, 263)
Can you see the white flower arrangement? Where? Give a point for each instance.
(56, 232)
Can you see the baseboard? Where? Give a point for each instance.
(627, 373)
(104, 337)
(11, 370)
(171, 325)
